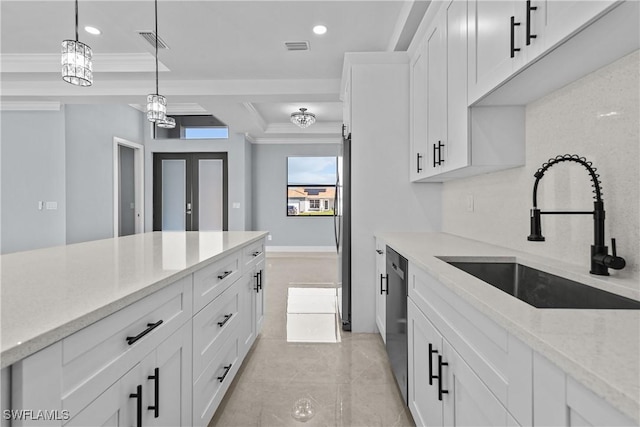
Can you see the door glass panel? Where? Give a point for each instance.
(127, 219)
(174, 198)
(210, 194)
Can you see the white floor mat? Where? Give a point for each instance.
(311, 315)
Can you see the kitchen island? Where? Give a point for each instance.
(81, 318)
(561, 353)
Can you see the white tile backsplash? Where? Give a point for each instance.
(597, 117)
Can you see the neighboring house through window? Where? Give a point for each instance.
(311, 186)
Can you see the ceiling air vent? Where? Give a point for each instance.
(150, 37)
(297, 45)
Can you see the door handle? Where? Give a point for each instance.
(188, 208)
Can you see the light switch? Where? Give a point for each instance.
(236, 205)
(51, 206)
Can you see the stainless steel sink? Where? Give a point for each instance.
(541, 289)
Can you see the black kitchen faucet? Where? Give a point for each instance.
(601, 261)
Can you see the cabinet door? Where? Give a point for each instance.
(259, 305)
(425, 344)
(436, 96)
(248, 291)
(381, 288)
(170, 377)
(562, 18)
(114, 407)
(468, 401)
(457, 146)
(418, 113)
(490, 61)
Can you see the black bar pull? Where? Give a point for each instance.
(441, 391)
(256, 253)
(529, 9)
(379, 251)
(418, 157)
(386, 278)
(226, 371)
(156, 402)
(226, 319)
(225, 274)
(382, 277)
(440, 147)
(138, 395)
(514, 49)
(431, 376)
(150, 327)
(260, 279)
(434, 156)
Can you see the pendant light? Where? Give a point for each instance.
(77, 68)
(302, 118)
(156, 103)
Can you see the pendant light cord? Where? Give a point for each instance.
(157, 91)
(76, 20)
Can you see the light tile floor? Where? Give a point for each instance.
(348, 383)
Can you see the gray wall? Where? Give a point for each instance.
(248, 185)
(33, 169)
(235, 148)
(89, 163)
(595, 117)
(270, 197)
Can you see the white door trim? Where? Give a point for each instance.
(138, 159)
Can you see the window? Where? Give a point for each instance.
(311, 186)
(217, 132)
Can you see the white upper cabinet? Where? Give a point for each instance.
(418, 113)
(436, 96)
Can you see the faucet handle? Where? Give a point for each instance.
(613, 247)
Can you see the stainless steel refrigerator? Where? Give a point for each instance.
(342, 229)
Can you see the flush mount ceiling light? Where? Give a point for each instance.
(156, 103)
(77, 68)
(319, 29)
(302, 118)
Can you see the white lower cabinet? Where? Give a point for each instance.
(259, 304)
(381, 287)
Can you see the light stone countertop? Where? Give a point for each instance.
(48, 294)
(598, 348)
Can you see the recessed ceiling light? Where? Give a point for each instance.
(92, 30)
(319, 29)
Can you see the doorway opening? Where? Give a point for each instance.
(128, 187)
(190, 192)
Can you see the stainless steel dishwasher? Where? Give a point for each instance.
(396, 322)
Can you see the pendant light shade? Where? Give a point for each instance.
(77, 68)
(167, 123)
(156, 103)
(302, 118)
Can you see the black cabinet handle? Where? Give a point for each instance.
(431, 376)
(256, 253)
(260, 279)
(150, 327)
(225, 274)
(514, 24)
(226, 319)
(418, 157)
(379, 251)
(440, 147)
(226, 371)
(382, 277)
(156, 402)
(434, 156)
(138, 395)
(441, 391)
(529, 9)
(386, 278)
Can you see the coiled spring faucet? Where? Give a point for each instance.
(601, 261)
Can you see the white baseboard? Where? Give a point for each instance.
(300, 248)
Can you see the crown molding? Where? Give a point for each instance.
(29, 106)
(102, 63)
(327, 128)
(297, 140)
(256, 116)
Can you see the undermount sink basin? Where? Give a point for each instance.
(541, 289)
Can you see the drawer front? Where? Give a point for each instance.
(252, 254)
(94, 357)
(212, 280)
(482, 343)
(210, 388)
(213, 325)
